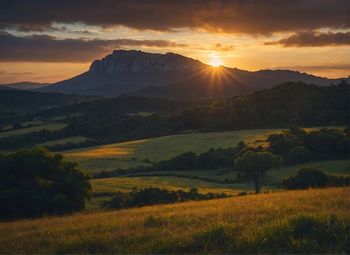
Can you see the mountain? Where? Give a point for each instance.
(123, 72)
(227, 82)
(172, 75)
(24, 85)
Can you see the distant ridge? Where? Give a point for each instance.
(26, 85)
(172, 75)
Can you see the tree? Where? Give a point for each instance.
(307, 177)
(298, 154)
(253, 165)
(36, 182)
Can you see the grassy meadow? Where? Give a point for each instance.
(134, 153)
(27, 130)
(63, 141)
(250, 224)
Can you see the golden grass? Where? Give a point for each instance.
(118, 150)
(169, 228)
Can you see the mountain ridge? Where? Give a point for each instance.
(25, 85)
(172, 75)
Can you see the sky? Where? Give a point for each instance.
(48, 41)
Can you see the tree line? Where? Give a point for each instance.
(289, 104)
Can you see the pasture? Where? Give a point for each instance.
(27, 130)
(139, 152)
(63, 141)
(135, 153)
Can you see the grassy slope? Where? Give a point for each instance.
(133, 153)
(72, 139)
(226, 225)
(23, 131)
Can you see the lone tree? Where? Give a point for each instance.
(36, 182)
(253, 166)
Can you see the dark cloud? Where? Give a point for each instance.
(43, 48)
(248, 16)
(309, 38)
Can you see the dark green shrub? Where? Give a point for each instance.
(36, 182)
(153, 196)
(306, 177)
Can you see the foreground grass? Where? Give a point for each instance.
(133, 153)
(297, 221)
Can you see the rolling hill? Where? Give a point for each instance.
(172, 75)
(24, 85)
(250, 224)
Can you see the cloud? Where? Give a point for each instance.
(43, 48)
(249, 16)
(311, 38)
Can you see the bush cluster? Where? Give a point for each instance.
(153, 196)
(309, 177)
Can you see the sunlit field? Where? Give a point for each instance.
(249, 224)
(133, 153)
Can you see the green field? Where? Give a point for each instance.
(266, 223)
(63, 141)
(133, 153)
(335, 167)
(22, 131)
(192, 179)
(125, 184)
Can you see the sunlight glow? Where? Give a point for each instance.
(215, 62)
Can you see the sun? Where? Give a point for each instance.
(215, 62)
